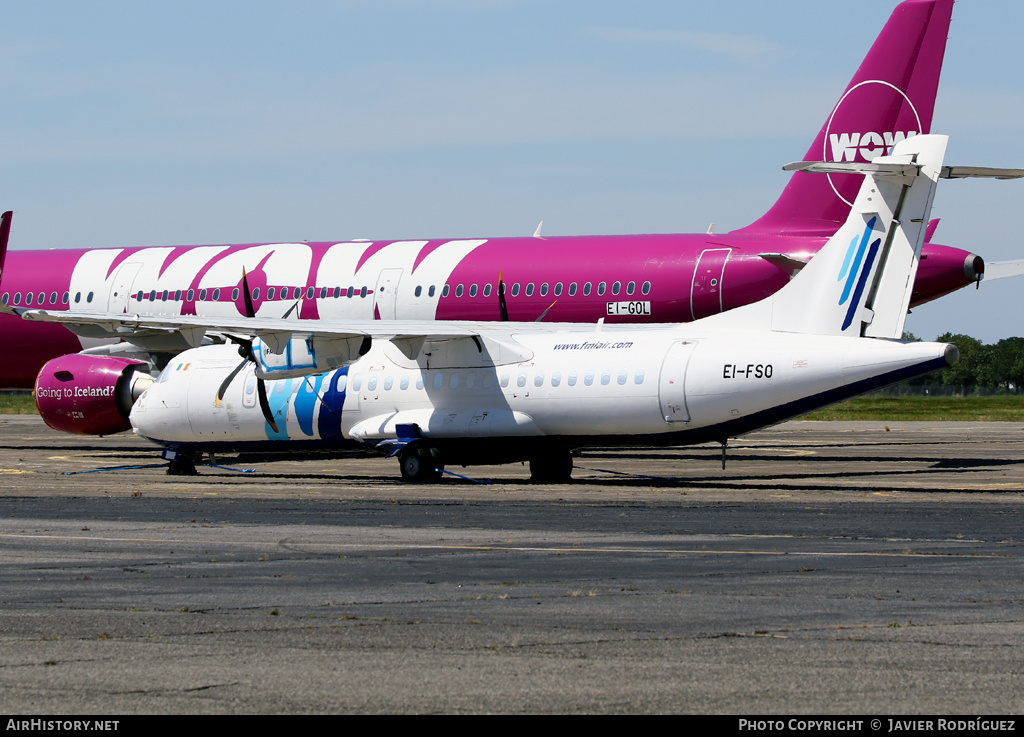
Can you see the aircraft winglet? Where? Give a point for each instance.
(5, 234)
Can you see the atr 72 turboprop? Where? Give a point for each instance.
(632, 278)
(465, 393)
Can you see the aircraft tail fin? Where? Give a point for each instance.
(890, 98)
(860, 282)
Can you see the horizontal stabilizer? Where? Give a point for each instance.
(979, 172)
(854, 167)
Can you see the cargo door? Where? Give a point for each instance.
(672, 382)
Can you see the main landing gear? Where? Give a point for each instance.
(420, 464)
(554, 467)
(180, 463)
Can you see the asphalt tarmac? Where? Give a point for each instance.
(835, 568)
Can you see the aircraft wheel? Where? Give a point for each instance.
(553, 468)
(183, 465)
(420, 464)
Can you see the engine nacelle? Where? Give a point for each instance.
(89, 395)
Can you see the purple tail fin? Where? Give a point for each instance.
(891, 97)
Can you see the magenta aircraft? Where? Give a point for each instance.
(632, 278)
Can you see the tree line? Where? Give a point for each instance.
(999, 366)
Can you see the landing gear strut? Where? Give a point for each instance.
(551, 468)
(181, 463)
(420, 464)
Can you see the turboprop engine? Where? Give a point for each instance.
(90, 395)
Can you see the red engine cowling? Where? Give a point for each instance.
(89, 395)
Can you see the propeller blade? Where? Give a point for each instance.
(261, 392)
(227, 382)
(502, 307)
(545, 312)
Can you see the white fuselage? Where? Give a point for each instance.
(653, 385)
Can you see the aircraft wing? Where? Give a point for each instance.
(1003, 269)
(284, 348)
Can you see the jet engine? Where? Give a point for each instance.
(90, 395)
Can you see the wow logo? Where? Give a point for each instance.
(856, 268)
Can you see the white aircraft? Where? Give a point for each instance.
(436, 393)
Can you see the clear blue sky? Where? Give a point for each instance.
(127, 123)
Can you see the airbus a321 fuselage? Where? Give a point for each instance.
(633, 278)
(438, 393)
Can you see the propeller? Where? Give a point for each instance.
(245, 351)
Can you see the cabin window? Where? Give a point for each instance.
(446, 290)
(631, 287)
(521, 380)
(362, 292)
(572, 289)
(453, 383)
(28, 298)
(64, 299)
(601, 288)
(556, 378)
(616, 287)
(504, 381)
(420, 380)
(357, 383)
(323, 292)
(544, 289)
(418, 291)
(17, 298)
(588, 378)
(438, 380)
(337, 293)
(529, 289)
(472, 290)
(606, 377)
(646, 288)
(458, 291)
(190, 295)
(573, 375)
(638, 378)
(623, 375)
(177, 296)
(234, 294)
(515, 289)
(488, 380)
(558, 289)
(430, 292)
(216, 294)
(351, 292)
(6, 296)
(538, 379)
(389, 381)
(487, 290)
(371, 384)
(310, 292)
(256, 293)
(88, 297)
(342, 382)
(403, 384)
(586, 289)
(53, 298)
(470, 380)
(78, 297)
(202, 295)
